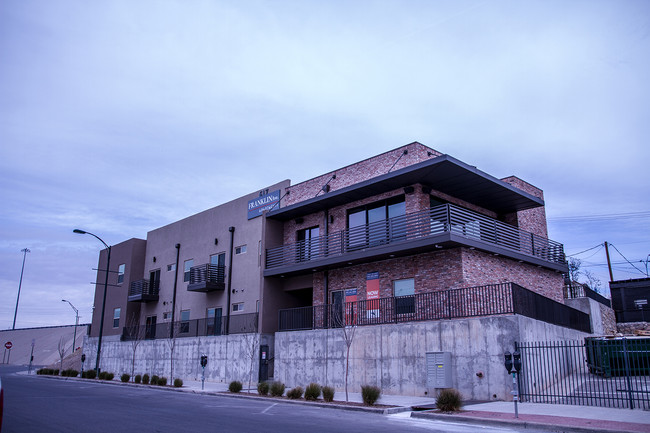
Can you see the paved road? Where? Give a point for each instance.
(37, 404)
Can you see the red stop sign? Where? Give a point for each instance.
(8, 345)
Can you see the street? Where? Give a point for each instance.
(39, 404)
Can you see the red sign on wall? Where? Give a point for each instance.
(8, 345)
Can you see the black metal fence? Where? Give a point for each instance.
(495, 299)
(219, 325)
(609, 372)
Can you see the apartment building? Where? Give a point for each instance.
(407, 236)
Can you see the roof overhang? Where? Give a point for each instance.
(443, 173)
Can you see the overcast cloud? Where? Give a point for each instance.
(119, 117)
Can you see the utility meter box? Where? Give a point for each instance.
(438, 369)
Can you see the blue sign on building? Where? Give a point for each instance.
(257, 206)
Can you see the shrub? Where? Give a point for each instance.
(277, 389)
(70, 373)
(295, 393)
(328, 394)
(137, 378)
(89, 374)
(235, 386)
(154, 380)
(370, 394)
(125, 377)
(312, 392)
(145, 379)
(449, 400)
(263, 388)
(178, 383)
(56, 372)
(105, 375)
(162, 381)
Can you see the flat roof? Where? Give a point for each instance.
(443, 173)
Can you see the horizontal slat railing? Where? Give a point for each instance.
(144, 287)
(207, 273)
(434, 221)
(489, 300)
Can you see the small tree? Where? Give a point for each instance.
(251, 346)
(174, 329)
(346, 321)
(136, 336)
(61, 350)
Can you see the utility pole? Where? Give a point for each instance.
(609, 262)
(24, 251)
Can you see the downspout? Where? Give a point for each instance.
(326, 277)
(178, 254)
(229, 288)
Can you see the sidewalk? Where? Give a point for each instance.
(566, 418)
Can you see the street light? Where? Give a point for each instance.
(24, 251)
(101, 324)
(76, 322)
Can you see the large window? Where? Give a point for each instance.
(377, 223)
(213, 321)
(186, 268)
(154, 281)
(404, 292)
(150, 327)
(116, 317)
(308, 243)
(185, 321)
(120, 273)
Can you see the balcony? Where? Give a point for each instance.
(207, 278)
(144, 291)
(490, 300)
(445, 226)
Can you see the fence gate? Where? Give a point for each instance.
(611, 372)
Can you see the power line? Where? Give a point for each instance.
(602, 217)
(631, 264)
(581, 252)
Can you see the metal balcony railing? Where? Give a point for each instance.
(219, 325)
(207, 273)
(438, 220)
(490, 300)
(144, 290)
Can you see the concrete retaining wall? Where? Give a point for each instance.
(393, 356)
(228, 357)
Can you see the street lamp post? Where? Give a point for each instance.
(24, 251)
(76, 323)
(101, 324)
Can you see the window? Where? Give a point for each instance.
(116, 317)
(171, 267)
(154, 282)
(308, 243)
(213, 321)
(167, 316)
(240, 249)
(120, 273)
(238, 307)
(404, 292)
(188, 265)
(218, 259)
(185, 321)
(377, 223)
(217, 275)
(150, 327)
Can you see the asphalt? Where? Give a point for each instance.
(537, 416)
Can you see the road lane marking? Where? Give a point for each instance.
(268, 408)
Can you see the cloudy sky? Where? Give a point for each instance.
(119, 117)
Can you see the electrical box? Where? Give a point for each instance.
(438, 369)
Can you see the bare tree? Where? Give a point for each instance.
(174, 328)
(61, 350)
(136, 336)
(592, 281)
(251, 346)
(574, 269)
(346, 321)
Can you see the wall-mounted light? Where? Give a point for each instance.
(154, 259)
(326, 188)
(216, 241)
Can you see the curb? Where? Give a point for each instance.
(377, 410)
(555, 427)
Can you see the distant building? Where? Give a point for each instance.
(631, 300)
